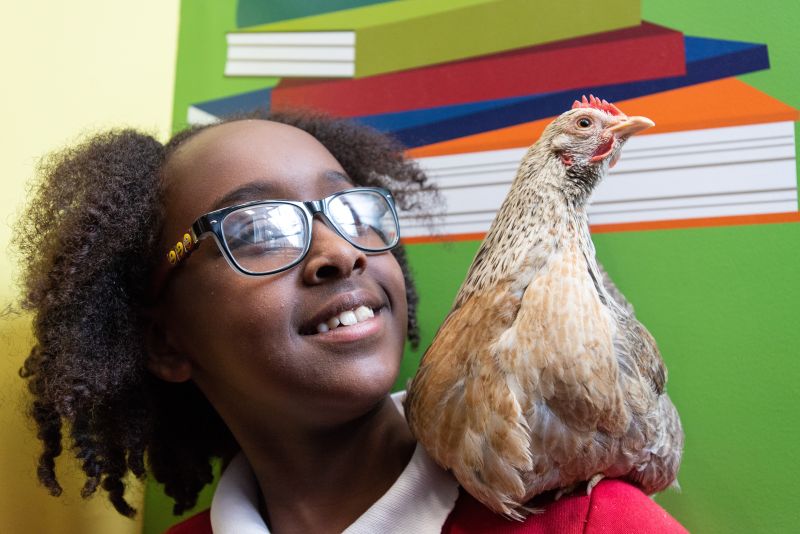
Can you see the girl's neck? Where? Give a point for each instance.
(322, 480)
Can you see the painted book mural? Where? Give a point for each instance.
(432, 107)
(694, 223)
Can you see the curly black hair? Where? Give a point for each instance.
(88, 245)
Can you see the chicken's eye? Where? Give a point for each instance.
(583, 122)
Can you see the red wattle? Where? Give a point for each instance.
(603, 150)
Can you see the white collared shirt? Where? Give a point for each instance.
(419, 501)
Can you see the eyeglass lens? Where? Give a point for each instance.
(270, 236)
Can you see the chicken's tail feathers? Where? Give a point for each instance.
(659, 470)
(498, 486)
(489, 450)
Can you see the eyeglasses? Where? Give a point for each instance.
(271, 236)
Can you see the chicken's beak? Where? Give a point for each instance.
(631, 126)
(621, 131)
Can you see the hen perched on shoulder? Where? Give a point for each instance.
(541, 377)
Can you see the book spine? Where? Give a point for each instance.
(641, 53)
(483, 28)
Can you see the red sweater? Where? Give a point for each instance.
(614, 507)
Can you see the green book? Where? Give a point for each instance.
(405, 34)
(252, 12)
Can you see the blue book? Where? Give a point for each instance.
(706, 60)
(211, 110)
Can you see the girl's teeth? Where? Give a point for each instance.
(346, 318)
(363, 313)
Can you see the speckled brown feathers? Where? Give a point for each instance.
(541, 377)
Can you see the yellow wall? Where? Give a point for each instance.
(69, 68)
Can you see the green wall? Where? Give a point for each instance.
(722, 302)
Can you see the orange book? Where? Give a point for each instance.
(697, 107)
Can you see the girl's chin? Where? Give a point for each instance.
(364, 391)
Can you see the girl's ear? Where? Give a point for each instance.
(164, 359)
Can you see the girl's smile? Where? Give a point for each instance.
(272, 342)
(358, 307)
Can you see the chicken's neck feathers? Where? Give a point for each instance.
(524, 233)
(586, 245)
(538, 218)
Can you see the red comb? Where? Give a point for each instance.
(596, 103)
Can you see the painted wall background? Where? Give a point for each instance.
(722, 302)
(69, 68)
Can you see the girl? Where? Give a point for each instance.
(232, 295)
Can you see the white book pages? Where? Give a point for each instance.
(709, 211)
(716, 172)
(292, 53)
(331, 69)
(479, 222)
(197, 117)
(346, 38)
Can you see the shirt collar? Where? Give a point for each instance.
(419, 501)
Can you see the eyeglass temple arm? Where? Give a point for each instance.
(183, 248)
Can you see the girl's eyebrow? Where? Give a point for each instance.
(337, 176)
(255, 190)
(261, 190)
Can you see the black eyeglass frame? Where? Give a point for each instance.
(212, 222)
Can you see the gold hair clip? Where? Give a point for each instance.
(182, 248)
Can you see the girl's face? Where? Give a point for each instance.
(251, 343)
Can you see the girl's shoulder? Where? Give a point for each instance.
(197, 524)
(613, 507)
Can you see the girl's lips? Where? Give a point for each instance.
(339, 303)
(347, 334)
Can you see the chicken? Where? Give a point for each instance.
(541, 378)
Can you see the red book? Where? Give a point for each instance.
(632, 54)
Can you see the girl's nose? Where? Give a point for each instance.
(330, 256)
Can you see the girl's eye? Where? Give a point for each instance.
(584, 122)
